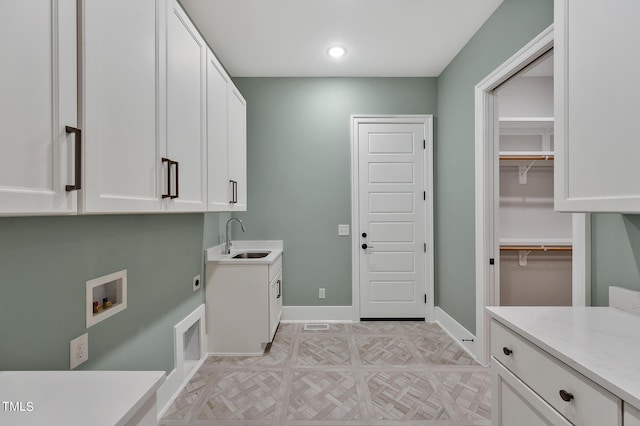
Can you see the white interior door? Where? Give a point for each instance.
(394, 197)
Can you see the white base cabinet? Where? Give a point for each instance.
(243, 306)
(564, 366)
(571, 395)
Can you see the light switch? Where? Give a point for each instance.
(343, 229)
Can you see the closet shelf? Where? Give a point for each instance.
(536, 248)
(524, 241)
(526, 155)
(528, 122)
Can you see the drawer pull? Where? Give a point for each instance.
(566, 396)
(507, 351)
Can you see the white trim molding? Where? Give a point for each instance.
(461, 335)
(317, 313)
(486, 202)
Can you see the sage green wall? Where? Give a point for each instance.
(45, 263)
(298, 160)
(510, 27)
(615, 254)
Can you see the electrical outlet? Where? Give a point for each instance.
(343, 230)
(78, 351)
(196, 282)
(321, 293)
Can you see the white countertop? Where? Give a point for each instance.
(73, 398)
(599, 342)
(215, 254)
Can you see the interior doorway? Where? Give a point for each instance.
(520, 241)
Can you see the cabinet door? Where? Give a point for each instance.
(217, 182)
(186, 112)
(120, 87)
(237, 131)
(514, 404)
(38, 99)
(631, 415)
(275, 304)
(597, 81)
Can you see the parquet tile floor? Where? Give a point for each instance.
(372, 373)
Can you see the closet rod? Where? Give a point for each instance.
(526, 157)
(536, 248)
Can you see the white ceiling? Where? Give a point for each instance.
(384, 38)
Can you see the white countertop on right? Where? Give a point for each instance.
(599, 342)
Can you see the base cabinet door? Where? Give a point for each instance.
(515, 404)
(630, 415)
(275, 304)
(120, 89)
(38, 100)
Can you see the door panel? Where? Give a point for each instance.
(186, 68)
(38, 98)
(120, 116)
(392, 212)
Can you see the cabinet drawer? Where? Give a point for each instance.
(589, 404)
(274, 268)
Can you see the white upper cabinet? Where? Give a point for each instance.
(185, 169)
(237, 145)
(38, 100)
(227, 141)
(597, 71)
(218, 183)
(120, 92)
(110, 107)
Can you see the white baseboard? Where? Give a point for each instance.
(317, 313)
(172, 387)
(457, 332)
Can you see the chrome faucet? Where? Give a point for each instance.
(227, 240)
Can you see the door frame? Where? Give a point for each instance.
(486, 202)
(427, 121)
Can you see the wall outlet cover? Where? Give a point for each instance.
(321, 293)
(78, 350)
(196, 282)
(343, 230)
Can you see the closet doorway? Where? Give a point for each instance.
(535, 256)
(526, 253)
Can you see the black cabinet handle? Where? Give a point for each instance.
(177, 176)
(279, 289)
(566, 396)
(78, 159)
(234, 191)
(507, 351)
(168, 194)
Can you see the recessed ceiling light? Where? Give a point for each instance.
(337, 51)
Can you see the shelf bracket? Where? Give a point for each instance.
(522, 257)
(523, 170)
